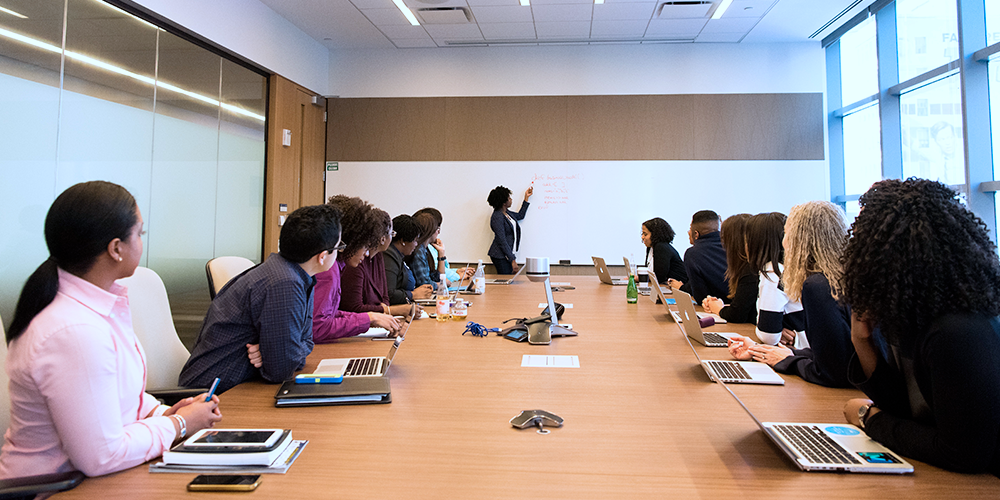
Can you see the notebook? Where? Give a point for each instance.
(692, 327)
(498, 281)
(602, 272)
(352, 391)
(828, 447)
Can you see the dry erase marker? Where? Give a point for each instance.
(211, 392)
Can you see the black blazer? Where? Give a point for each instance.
(503, 234)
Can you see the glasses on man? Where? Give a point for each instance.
(339, 248)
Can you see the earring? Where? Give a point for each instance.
(119, 259)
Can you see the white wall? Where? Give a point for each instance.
(579, 70)
(254, 31)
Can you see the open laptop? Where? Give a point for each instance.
(602, 272)
(364, 367)
(471, 289)
(498, 281)
(826, 447)
(660, 298)
(692, 327)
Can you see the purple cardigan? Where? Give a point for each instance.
(329, 323)
(363, 288)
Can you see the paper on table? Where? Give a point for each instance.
(280, 465)
(538, 361)
(375, 332)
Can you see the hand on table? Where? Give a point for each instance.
(739, 347)
(384, 321)
(712, 305)
(423, 292)
(770, 354)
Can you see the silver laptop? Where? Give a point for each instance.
(471, 289)
(602, 272)
(498, 281)
(828, 447)
(692, 327)
(661, 297)
(364, 367)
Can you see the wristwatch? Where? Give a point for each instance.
(863, 412)
(442, 258)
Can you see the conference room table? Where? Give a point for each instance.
(642, 419)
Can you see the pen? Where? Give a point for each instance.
(211, 392)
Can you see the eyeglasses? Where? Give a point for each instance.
(339, 248)
(392, 234)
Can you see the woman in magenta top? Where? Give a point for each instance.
(363, 288)
(360, 231)
(77, 371)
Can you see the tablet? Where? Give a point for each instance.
(233, 438)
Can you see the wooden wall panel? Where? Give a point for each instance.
(559, 128)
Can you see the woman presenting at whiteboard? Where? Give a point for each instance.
(506, 231)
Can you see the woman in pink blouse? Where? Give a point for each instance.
(77, 371)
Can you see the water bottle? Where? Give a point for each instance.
(459, 311)
(631, 293)
(479, 279)
(443, 301)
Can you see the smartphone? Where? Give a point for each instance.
(224, 482)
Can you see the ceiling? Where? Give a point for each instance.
(368, 24)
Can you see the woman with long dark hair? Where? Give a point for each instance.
(743, 281)
(77, 370)
(923, 281)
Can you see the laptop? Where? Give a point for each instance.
(692, 327)
(828, 447)
(363, 367)
(471, 289)
(602, 272)
(499, 281)
(660, 298)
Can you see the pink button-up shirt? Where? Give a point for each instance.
(77, 389)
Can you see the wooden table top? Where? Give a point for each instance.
(642, 419)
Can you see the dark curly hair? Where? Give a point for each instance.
(915, 254)
(659, 230)
(498, 196)
(357, 230)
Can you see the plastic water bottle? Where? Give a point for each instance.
(631, 293)
(443, 301)
(459, 311)
(479, 278)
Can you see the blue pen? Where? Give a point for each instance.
(211, 392)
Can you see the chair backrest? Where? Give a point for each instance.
(4, 393)
(222, 269)
(154, 326)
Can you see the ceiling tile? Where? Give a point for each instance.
(502, 14)
(409, 44)
(719, 37)
(508, 31)
(554, 2)
(562, 12)
(385, 17)
(608, 29)
(623, 11)
(568, 30)
(731, 25)
(499, 3)
(372, 4)
(748, 8)
(454, 31)
(679, 27)
(402, 31)
(422, 4)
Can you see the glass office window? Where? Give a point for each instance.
(932, 137)
(858, 63)
(927, 35)
(862, 150)
(992, 21)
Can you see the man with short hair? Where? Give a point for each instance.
(271, 304)
(705, 260)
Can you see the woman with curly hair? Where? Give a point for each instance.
(364, 288)
(661, 256)
(506, 230)
(923, 281)
(361, 236)
(743, 281)
(815, 235)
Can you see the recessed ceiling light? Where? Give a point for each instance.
(524, 3)
(15, 14)
(723, 6)
(406, 12)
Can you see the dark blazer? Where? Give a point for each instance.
(705, 263)
(395, 276)
(503, 234)
(667, 263)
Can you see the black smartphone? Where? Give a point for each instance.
(225, 482)
(517, 335)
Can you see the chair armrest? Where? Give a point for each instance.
(170, 396)
(29, 486)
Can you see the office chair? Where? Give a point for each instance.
(28, 486)
(154, 326)
(222, 269)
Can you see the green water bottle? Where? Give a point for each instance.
(631, 293)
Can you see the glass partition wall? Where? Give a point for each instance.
(88, 92)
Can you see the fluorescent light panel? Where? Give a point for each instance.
(524, 3)
(76, 56)
(722, 9)
(406, 12)
(15, 14)
(598, 2)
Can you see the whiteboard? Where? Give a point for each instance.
(579, 208)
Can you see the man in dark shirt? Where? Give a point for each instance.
(270, 304)
(705, 260)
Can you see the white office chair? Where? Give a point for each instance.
(154, 326)
(222, 269)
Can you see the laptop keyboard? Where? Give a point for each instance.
(715, 338)
(729, 370)
(815, 445)
(363, 366)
